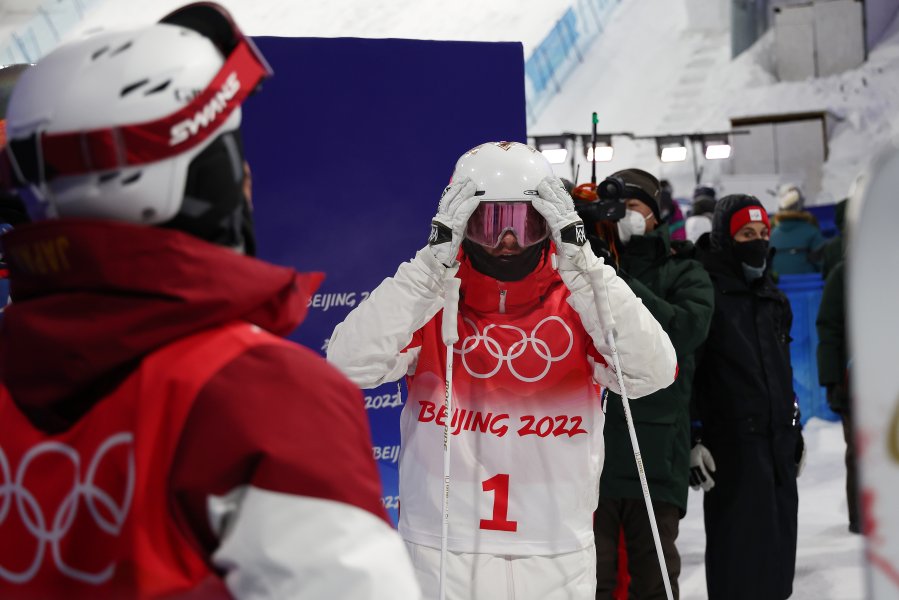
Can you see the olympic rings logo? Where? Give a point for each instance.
(51, 532)
(516, 350)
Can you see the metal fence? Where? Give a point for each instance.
(562, 51)
(52, 20)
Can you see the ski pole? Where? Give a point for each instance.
(450, 334)
(607, 323)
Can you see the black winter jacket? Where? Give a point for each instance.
(744, 380)
(678, 293)
(744, 395)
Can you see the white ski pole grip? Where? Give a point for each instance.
(450, 332)
(449, 329)
(607, 323)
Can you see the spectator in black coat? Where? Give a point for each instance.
(750, 449)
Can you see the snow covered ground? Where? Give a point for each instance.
(829, 564)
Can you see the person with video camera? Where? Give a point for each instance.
(624, 222)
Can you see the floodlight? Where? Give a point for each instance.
(553, 147)
(716, 149)
(555, 156)
(674, 153)
(603, 153)
(604, 150)
(671, 149)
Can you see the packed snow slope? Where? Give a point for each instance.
(651, 74)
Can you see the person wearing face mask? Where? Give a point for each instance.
(526, 424)
(678, 293)
(748, 448)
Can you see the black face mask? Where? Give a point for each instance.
(752, 253)
(505, 268)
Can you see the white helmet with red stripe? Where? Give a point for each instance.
(140, 126)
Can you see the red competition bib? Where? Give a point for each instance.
(87, 513)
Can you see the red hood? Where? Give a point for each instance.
(91, 298)
(482, 292)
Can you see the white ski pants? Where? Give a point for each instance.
(570, 576)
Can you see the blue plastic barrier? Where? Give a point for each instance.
(804, 293)
(824, 213)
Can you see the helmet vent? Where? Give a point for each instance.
(121, 48)
(132, 178)
(107, 177)
(148, 214)
(99, 53)
(158, 88)
(133, 86)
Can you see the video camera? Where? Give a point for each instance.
(604, 203)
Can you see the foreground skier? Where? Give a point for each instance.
(527, 424)
(157, 437)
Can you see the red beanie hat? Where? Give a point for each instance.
(748, 214)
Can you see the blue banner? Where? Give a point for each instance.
(350, 146)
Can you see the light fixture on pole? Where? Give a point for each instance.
(716, 147)
(671, 148)
(604, 149)
(553, 147)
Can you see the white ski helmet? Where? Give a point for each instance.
(507, 171)
(110, 126)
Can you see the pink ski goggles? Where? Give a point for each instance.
(492, 220)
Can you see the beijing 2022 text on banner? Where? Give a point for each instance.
(351, 144)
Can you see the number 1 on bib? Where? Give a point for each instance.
(499, 484)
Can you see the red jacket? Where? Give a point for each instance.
(150, 413)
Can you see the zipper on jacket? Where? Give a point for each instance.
(502, 301)
(510, 583)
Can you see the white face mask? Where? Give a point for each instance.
(631, 224)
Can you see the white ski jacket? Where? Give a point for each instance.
(527, 422)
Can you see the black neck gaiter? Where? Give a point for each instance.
(505, 268)
(752, 253)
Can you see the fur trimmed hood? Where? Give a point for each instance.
(794, 215)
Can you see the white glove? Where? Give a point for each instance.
(701, 464)
(448, 226)
(566, 227)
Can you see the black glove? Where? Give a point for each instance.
(838, 398)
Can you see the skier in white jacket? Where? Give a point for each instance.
(526, 424)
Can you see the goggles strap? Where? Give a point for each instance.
(82, 152)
